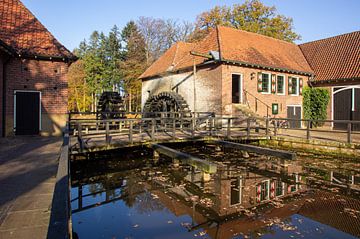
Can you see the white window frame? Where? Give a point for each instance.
(268, 190)
(297, 86)
(282, 190)
(36, 91)
(241, 88)
(269, 83)
(240, 193)
(284, 85)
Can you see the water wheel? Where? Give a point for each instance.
(166, 102)
(110, 106)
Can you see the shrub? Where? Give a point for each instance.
(315, 101)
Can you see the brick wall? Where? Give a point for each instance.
(213, 89)
(45, 76)
(207, 88)
(250, 84)
(1, 91)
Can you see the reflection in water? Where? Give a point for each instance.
(138, 197)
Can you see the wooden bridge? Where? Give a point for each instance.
(94, 134)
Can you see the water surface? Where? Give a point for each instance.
(134, 195)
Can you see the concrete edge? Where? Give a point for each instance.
(60, 218)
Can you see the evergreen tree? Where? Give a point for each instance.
(134, 63)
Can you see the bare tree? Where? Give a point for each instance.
(161, 34)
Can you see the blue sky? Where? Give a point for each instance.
(71, 21)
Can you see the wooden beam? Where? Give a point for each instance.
(202, 164)
(255, 149)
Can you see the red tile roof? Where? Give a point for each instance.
(169, 60)
(22, 32)
(246, 48)
(334, 58)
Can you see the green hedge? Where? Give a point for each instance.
(315, 102)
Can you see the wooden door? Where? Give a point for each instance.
(27, 113)
(294, 112)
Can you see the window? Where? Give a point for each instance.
(279, 188)
(235, 191)
(266, 86)
(293, 86)
(236, 89)
(265, 189)
(280, 85)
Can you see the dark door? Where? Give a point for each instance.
(235, 87)
(356, 112)
(27, 113)
(294, 112)
(344, 110)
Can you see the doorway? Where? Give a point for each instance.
(27, 112)
(294, 112)
(236, 88)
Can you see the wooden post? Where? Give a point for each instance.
(193, 126)
(131, 132)
(248, 128)
(228, 128)
(107, 133)
(308, 129)
(212, 126)
(267, 126)
(349, 140)
(275, 128)
(174, 128)
(153, 129)
(120, 126)
(79, 128)
(181, 121)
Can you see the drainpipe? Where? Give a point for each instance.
(194, 69)
(4, 96)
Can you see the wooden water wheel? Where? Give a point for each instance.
(166, 102)
(110, 106)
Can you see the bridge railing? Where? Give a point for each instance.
(174, 125)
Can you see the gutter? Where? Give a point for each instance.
(246, 64)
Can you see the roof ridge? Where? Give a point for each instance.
(258, 34)
(327, 38)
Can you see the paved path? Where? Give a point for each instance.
(28, 167)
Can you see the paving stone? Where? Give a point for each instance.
(28, 233)
(28, 167)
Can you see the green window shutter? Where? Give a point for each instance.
(289, 85)
(300, 86)
(273, 83)
(259, 82)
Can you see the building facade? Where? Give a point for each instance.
(231, 72)
(336, 63)
(33, 67)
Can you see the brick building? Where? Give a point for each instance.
(33, 66)
(336, 63)
(233, 69)
(238, 71)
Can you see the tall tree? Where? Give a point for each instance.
(134, 63)
(251, 16)
(79, 95)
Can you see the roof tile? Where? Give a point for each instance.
(23, 32)
(334, 58)
(238, 46)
